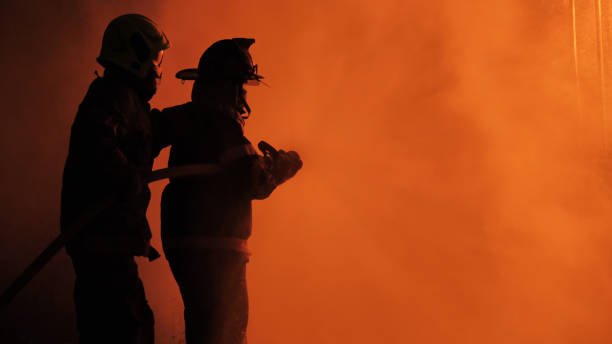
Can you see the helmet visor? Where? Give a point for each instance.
(254, 79)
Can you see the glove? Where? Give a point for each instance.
(280, 164)
(285, 165)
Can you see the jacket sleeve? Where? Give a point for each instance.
(249, 172)
(96, 133)
(262, 181)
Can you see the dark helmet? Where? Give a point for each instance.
(134, 43)
(227, 59)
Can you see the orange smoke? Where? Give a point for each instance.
(455, 182)
(451, 192)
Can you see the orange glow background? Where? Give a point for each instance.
(455, 186)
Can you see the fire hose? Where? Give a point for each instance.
(69, 233)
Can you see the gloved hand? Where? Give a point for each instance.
(280, 164)
(285, 165)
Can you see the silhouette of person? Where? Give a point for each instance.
(111, 146)
(206, 220)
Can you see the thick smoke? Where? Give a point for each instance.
(455, 186)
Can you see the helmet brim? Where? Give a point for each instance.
(194, 74)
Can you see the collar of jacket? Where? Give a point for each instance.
(215, 110)
(119, 78)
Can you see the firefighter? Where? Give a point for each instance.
(110, 149)
(206, 220)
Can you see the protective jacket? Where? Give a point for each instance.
(216, 205)
(110, 147)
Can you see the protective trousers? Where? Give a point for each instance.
(110, 301)
(213, 286)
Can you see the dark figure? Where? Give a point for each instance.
(111, 147)
(206, 220)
